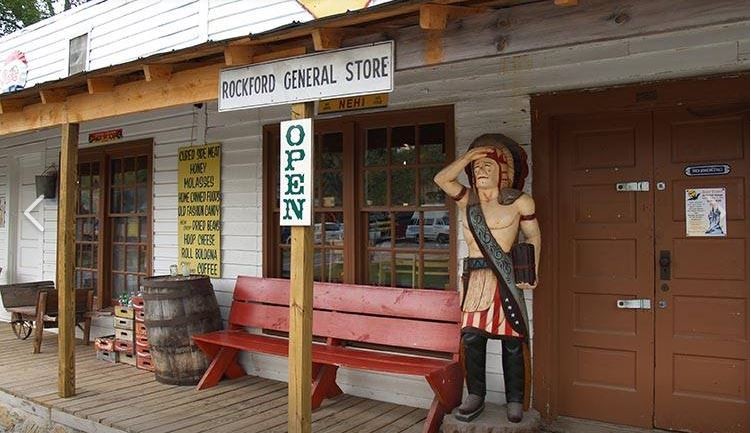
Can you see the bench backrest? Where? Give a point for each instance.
(84, 301)
(408, 318)
(23, 294)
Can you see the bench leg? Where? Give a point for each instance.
(324, 384)
(447, 386)
(222, 363)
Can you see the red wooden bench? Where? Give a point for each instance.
(421, 320)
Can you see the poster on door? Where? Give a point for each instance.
(705, 212)
(199, 208)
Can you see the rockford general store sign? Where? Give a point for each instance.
(332, 74)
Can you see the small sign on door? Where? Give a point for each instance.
(706, 212)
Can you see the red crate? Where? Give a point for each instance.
(137, 302)
(140, 329)
(142, 340)
(139, 315)
(144, 362)
(124, 346)
(106, 343)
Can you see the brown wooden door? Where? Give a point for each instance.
(702, 346)
(606, 254)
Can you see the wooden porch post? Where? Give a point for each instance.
(66, 253)
(301, 316)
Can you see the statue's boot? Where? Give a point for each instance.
(512, 356)
(474, 367)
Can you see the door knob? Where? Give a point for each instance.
(662, 304)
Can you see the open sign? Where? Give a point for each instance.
(296, 173)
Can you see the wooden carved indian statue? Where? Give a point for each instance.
(497, 268)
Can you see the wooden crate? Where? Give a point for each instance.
(143, 349)
(108, 356)
(127, 358)
(142, 340)
(124, 334)
(124, 312)
(139, 314)
(140, 329)
(144, 363)
(123, 323)
(106, 343)
(124, 346)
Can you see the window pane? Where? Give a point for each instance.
(129, 167)
(118, 234)
(318, 265)
(133, 231)
(85, 202)
(331, 184)
(333, 229)
(142, 200)
(332, 150)
(403, 187)
(285, 233)
(132, 259)
(436, 271)
(375, 187)
(379, 268)
(115, 205)
(375, 153)
(95, 175)
(436, 230)
(131, 283)
(334, 266)
(94, 256)
(95, 201)
(79, 255)
(141, 174)
(118, 257)
(285, 263)
(407, 266)
(129, 201)
(84, 176)
(118, 285)
(379, 229)
(432, 140)
(116, 175)
(86, 256)
(86, 280)
(142, 259)
(406, 223)
(143, 228)
(403, 145)
(430, 194)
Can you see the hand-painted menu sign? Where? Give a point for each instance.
(707, 170)
(199, 208)
(332, 74)
(296, 173)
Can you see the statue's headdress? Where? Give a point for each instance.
(507, 152)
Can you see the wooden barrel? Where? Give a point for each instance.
(174, 309)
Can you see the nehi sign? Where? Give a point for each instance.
(296, 173)
(331, 74)
(199, 208)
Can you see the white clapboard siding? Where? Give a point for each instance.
(232, 18)
(490, 94)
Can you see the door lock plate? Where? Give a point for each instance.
(632, 186)
(634, 304)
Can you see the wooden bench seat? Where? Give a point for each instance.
(384, 319)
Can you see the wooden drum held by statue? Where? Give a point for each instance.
(174, 309)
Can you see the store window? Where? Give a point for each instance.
(113, 221)
(379, 217)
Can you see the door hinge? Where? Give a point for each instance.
(634, 304)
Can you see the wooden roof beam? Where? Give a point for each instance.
(327, 38)
(235, 55)
(566, 3)
(157, 71)
(437, 16)
(10, 106)
(52, 96)
(100, 84)
(280, 54)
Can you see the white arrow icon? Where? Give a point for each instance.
(28, 210)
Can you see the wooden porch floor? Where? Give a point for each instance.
(119, 397)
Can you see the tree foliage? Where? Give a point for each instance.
(17, 14)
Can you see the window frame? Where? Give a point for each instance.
(103, 154)
(356, 126)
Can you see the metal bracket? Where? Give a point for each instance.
(632, 186)
(634, 304)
